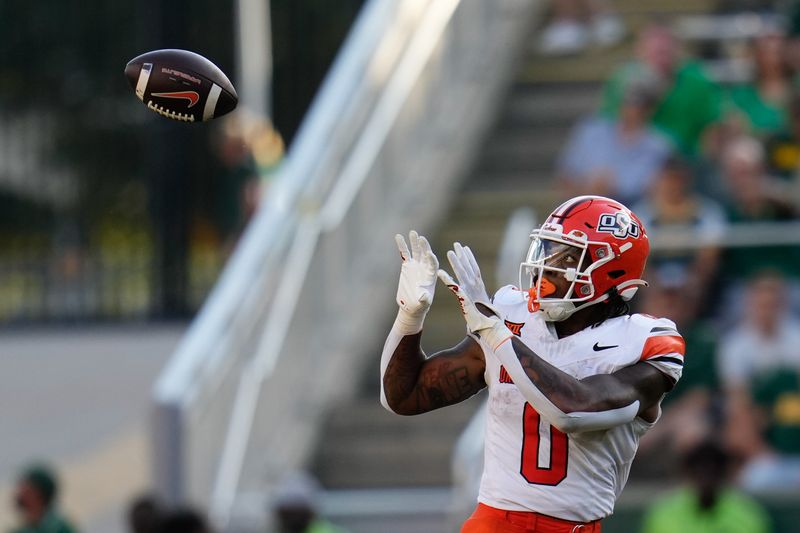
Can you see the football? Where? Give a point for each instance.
(181, 85)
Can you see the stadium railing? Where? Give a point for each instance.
(281, 336)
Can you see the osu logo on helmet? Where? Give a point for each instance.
(618, 224)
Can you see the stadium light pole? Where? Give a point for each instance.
(254, 56)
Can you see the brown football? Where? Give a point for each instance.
(181, 85)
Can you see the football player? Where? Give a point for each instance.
(574, 379)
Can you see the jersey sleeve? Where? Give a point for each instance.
(664, 348)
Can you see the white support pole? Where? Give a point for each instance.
(254, 56)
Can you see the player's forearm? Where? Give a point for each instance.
(400, 375)
(562, 400)
(596, 393)
(566, 392)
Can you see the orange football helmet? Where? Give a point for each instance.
(609, 249)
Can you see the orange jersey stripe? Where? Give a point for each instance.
(663, 345)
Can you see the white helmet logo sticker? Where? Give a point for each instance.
(619, 224)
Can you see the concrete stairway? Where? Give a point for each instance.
(363, 445)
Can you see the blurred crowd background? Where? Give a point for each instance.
(111, 214)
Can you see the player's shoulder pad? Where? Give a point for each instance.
(650, 322)
(663, 346)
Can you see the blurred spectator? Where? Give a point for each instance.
(783, 148)
(737, 6)
(295, 506)
(706, 504)
(758, 363)
(617, 157)
(250, 150)
(754, 197)
(708, 165)
(144, 515)
(672, 205)
(578, 23)
(751, 193)
(690, 102)
(763, 101)
(35, 500)
(183, 521)
(791, 14)
(691, 412)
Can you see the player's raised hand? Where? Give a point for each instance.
(417, 276)
(467, 272)
(479, 323)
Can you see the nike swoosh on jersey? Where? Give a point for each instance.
(598, 348)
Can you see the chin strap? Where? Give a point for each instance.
(559, 311)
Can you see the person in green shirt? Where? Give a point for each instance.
(690, 102)
(783, 149)
(707, 504)
(777, 393)
(754, 197)
(35, 500)
(763, 101)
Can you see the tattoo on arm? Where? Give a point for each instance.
(559, 387)
(403, 370)
(600, 392)
(443, 383)
(414, 384)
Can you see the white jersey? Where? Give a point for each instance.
(531, 466)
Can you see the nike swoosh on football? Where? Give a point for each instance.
(192, 96)
(598, 348)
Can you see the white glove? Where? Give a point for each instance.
(468, 273)
(490, 328)
(417, 282)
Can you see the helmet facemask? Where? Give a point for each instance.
(563, 255)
